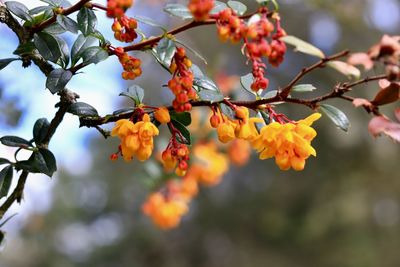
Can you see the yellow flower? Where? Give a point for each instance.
(162, 115)
(289, 143)
(226, 131)
(136, 138)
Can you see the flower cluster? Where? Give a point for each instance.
(181, 83)
(165, 211)
(255, 36)
(162, 115)
(243, 127)
(176, 156)
(117, 8)
(136, 138)
(124, 29)
(130, 64)
(289, 143)
(230, 26)
(200, 8)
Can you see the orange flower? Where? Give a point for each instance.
(226, 131)
(239, 152)
(200, 8)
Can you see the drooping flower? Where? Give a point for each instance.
(289, 143)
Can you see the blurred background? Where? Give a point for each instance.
(342, 210)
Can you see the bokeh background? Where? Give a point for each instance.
(342, 210)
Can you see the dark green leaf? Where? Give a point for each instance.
(82, 109)
(40, 130)
(122, 111)
(58, 79)
(94, 54)
(98, 35)
(14, 141)
(6, 176)
(135, 92)
(178, 10)
(238, 7)
(5, 61)
(18, 9)
(67, 23)
(25, 49)
(183, 117)
(35, 164)
(165, 50)
(303, 88)
(212, 96)
(79, 46)
(337, 116)
(54, 28)
(48, 46)
(184, 136)
(4, 161)
(87, 21)
(50, 160)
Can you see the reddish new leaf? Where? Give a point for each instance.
(387, 95)
(361, 59)
(358, 102)
(382, 125)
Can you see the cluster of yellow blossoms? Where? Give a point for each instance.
(136, 138)
(288, 142)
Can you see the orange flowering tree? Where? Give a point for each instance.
(199, 151)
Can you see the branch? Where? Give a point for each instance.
(320, 64)
(16, 195)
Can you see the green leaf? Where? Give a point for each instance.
(345, 68)
(134, 92)
(6, 176)
(4, 161)
(205, 83)
(182, 117)
(238, 7)
(150, 22)
(48, 46)
(303, 46)
(197, 54)
(122, 111)
(39, 9)
(80, 44)
(82, 109)
(226, 110)
(94, 54)
(246, 82)
(40, 130)
(178, 10)
(58, 79)
(67, 23)
(337, 116)
(184, 136)
(165, 51)
(42, 161)
(25, 49)
(55, 29)
(5, 61)
(18, 9)
(14, 141)
(197, 73)
(212, 96)
(270, 94)
(218, 7)
(50, 161)
(87, 21)
(300, 88)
